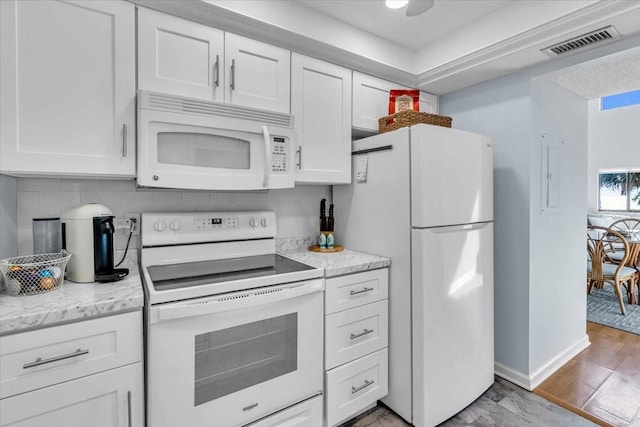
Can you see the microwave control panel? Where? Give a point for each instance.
(279, 154)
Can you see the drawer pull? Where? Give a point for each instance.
(40, 361)
(366, 384)
(361, 291)
(361, 334)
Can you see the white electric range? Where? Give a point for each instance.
(234, 331)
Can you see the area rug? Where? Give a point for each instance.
(603, 308)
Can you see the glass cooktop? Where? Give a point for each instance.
(183, 275)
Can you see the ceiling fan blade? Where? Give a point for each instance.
(417, 7)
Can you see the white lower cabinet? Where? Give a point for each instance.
(356, 341)
(108, 399)
(87, 373)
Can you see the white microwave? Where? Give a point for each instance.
(203, 145)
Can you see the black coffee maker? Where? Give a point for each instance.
(87, 233)
(103, 230)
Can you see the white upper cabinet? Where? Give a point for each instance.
(179, 57)
(67, 88)
(321, 104)
(371, 101)
(257, 74)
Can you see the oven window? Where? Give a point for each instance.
(203, 150)
(237, 358)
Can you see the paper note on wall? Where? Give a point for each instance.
(361, 168)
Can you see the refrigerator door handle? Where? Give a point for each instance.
(456, 228)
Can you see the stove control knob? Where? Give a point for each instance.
(252, 222)
(264, 222)
(174, 225)
(159, 225)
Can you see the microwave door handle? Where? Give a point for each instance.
(267, 156)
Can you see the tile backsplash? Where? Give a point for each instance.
(297, 209)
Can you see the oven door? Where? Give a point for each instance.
(231, 359)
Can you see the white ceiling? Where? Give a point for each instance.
(595, 79)
(413, 32)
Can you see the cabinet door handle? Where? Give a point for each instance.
(233, 74)
(361, 291)
(124, 140)
(216, 71)
(361, 334)
(299, 153)
(40, 361)
(129, 408)
(366, 384)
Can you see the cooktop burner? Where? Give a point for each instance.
(189, 274)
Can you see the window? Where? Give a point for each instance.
(620, 100)
(619, 191)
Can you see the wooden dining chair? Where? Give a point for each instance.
(600, 270)
(630, 229)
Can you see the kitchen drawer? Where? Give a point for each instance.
(352, 387)
(345, 292)
(354, 333)
(48, 356)
(304, 414)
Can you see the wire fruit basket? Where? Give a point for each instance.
(34, 274)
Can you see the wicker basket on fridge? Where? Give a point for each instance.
(410, 118)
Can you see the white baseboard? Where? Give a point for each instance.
(512, 375)
(557, 362)
(530, 382)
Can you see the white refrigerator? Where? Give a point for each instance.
(423, 196)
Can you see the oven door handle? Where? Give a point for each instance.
(234, 301)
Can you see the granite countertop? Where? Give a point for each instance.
(338, 263)
(71, 302)
(81, 301)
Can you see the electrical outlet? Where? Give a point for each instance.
(132, 220)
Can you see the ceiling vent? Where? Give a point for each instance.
(589, 40)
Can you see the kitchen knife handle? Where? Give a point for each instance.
(299, 153)
(124, 140)
(216, 71)
(233, 74)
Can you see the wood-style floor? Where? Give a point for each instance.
(602, 383)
